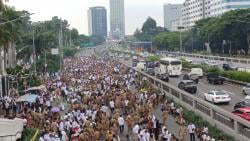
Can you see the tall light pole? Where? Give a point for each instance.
(34, 49)
(60, 46)
(180, 29)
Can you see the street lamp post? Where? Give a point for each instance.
(180, 29)
(34, 49)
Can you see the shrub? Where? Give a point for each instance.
(154, 58)
(237, 75)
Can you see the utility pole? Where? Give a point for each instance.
(70, 41)
(230, 49)
(180, 28)
(192, 40)
(34, 50)
(61, 47)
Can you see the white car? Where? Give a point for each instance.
(196, 71)
(217, 97)
(246, 89)
(212, 63)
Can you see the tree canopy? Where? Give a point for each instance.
(226, 33)
(148, 30)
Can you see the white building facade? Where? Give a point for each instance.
(117, 19)
(171, 12)
(175, 23)
(195, 10)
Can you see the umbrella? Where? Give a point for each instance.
(27, 98)
(55, 110)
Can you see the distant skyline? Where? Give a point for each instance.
(136, 11)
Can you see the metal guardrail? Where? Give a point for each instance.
(235, 60)
(224, 120)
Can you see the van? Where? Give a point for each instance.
(140, 65)
(196, 71)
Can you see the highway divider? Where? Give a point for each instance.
(227, 122)
(212, 57)
(227, 80)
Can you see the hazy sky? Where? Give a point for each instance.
(75, 11)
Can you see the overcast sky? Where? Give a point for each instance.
(75, 11)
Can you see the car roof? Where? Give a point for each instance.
(246, 100)
(186, 81)
(214, 91)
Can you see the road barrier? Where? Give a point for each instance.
(224, 120)
(10, 130)
(227, 80)
(219, 58)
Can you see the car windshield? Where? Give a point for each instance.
(190, 83)
(175, 63)
(220, 93)
(248, 85)
(247, 102)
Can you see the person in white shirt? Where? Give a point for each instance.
(141, 137)
(112, 105)
(61, 126)
(205, 130)
(147, 135)
(136, 129)
(165, 134)
(191, 130)
(121, 123)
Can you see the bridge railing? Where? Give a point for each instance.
(230, 59)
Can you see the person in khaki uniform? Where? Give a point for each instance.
(109, 136)
(165, 115)
(96, 135)
(129, 123)
(114, 129)
(182, 132)
(54, 126)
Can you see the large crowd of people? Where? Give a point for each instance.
(95, 99)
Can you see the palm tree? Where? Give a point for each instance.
(9, 32)
(1, 6)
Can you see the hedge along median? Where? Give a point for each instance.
(191, 116)
(234, 75)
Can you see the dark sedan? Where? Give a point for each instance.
(193, 77)
(188, 86)
(150, 71)
(163, 77)
(242, 104)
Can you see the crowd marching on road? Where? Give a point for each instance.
(104, 100)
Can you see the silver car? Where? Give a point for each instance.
(246, 89)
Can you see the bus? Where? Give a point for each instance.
(170, 66)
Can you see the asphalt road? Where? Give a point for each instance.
(203, 87)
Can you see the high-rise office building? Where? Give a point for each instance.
(117, 19)
(97, 18)
(171, 12)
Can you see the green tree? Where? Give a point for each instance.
(10, 31)
(148, 30)
(149, 27)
